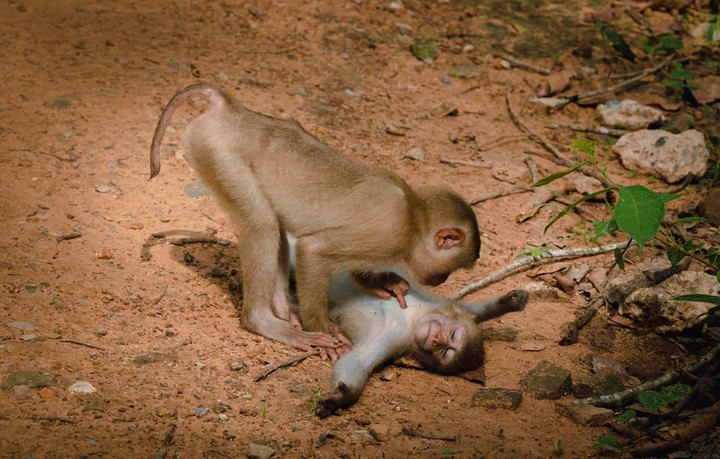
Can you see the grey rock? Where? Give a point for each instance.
(629, 114)
(105, 189)
(671, 157)
(258, 451)
(603, 383)
(655, 306)
(467, 71)
(196, 189)
(20, 325)
(154, 357)
(508, 399)
(300, 91)
(678, 123)
(649, 272)
(547, 381)
(415, 154)
(200, 411)
(29, 378)
(586, 415)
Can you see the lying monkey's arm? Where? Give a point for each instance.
(383, 285)
(515, 300)
(351, 373)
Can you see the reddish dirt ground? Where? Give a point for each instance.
(83, 85)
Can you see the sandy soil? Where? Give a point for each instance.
(83, 85)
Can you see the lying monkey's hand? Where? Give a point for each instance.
(342, 397)
(385, 286)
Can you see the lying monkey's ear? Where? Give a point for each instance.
(449, 237)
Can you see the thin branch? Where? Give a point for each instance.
(169, 437)
(272, 368)
(524, 65)
(520, 262)
(418, 434)
(613, 88)
(461, 162)
(80, 343)
(53, 418)
(502, 140)
(559, 157)
(621, 398)
(570, 334)
(500, 193)
(591, 129)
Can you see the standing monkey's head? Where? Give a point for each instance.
(451, 239)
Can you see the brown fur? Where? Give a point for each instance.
(272, 177)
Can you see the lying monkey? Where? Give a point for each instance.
(440, 334)
(272, 177)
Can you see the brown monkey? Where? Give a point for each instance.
(439, 334)
(274, 178)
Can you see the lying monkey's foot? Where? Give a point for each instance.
(515, 300)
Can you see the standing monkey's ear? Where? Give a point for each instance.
(449, 237)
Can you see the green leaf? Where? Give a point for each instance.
(617, 42)
(574, 204)
(675, 255)
(604, 228)
(447, 451)
(667, 197)
(639, 212)
(584, 145)
(627, 416)
(557, 175)
(425, 49)
(619, 259)
(682, 221)
(608, 442)
(653, 400)
(700, 298)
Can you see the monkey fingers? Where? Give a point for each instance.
(342, 397)
(295, 322)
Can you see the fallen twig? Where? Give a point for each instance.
(701, 424)
(524, 65)
(272, 368)
(167, 441)
(418, 434)
(68, 236)
(500, 193)
(570, 334)
(53, 418)
(520, 262)
(592, 129)
(80, 343)
(621, 398)
(587, 95)
(159, 298)
(559, 157)
(496, 142)
(461, 162)
(199, 240)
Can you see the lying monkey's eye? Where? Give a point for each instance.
(452, 337)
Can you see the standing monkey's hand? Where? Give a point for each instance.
(339, 347)
(385, 286)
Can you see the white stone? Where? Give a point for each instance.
(671, 157)
(629, 114)
(82, 387)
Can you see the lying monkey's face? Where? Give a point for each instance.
(440, 337)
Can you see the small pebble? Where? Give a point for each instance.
(446, 79)
(82, 387)
(20, 325)
(300, 91)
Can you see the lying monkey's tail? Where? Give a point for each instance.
(196, 89)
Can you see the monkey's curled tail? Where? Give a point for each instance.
(198, 89)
